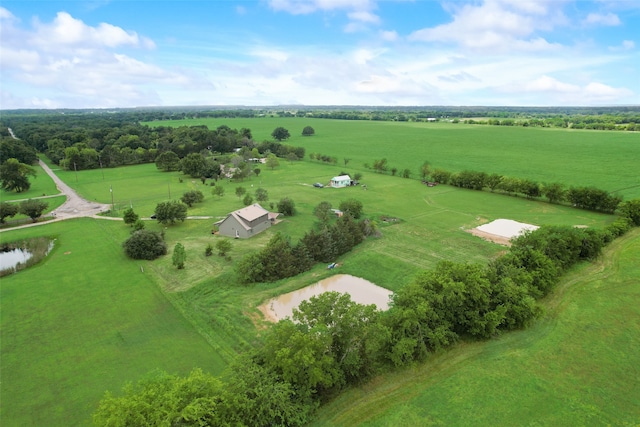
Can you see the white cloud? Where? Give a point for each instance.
(496, 26)
(610, 19)
(303, 7)
(364, 16)
(389, 36)
(79, 65)
(66, 31)
(626, 45)
(570, 93)
(359, 12)
(5, 15)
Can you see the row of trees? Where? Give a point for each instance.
(32, 208)
(281, 259)
(589, 198)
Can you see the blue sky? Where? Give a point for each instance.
(85, 54)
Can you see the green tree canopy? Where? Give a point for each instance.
(170, 212)
(280, 133)
(14, 176)
(144, 244)
(129, 216)
(191, 197)
(272, 161)
(33, 208)
(308, 131)
(8, 210)
(179, 256)
(168, 161)
(193, 165)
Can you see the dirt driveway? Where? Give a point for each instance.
(74, 207)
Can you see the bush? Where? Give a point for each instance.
(144, 244)
(287, 207)
(191, 197)
(351, 207)
(170, 212)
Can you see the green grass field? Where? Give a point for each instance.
(605, 159)
(88, 319)
(41, 185)
(578, 365)
(85, 320)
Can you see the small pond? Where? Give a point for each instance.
(10, 259)
(361, 291)
(17, 256)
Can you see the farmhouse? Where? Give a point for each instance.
(341, 181)
(246, 222)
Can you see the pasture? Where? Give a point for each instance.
(88, 319)
(84, 320)
(604, 159)
(577, 365)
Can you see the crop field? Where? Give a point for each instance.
(578, 365)
(87, 319)
(607, 160)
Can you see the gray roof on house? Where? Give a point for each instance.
(251, 212)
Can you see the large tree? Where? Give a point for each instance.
(308, 131)
(8, 210)
(193, 165)
(33, 208)
(168, 161)
(14, 176)
(191, 197)
(170, 212)
(280, 133)
(323, 212)
(272, 161)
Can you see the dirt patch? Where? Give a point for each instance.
(267, 313)
(491, 237)
(501, 231)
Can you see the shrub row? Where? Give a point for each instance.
(280, 259)
(589, 198)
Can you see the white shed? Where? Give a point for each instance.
(341, 181)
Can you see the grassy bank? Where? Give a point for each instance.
(578, 365)
(84, 320)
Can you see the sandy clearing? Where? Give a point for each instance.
(501, 231)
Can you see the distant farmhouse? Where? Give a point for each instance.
(341, 181)
(246, 222)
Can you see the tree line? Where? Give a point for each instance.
(280, 258)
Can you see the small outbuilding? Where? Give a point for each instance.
(246, 222)
(341, 181)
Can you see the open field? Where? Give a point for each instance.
(100, 321)
(85, 320)
(578, 365)
(605, 159)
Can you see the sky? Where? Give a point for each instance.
(120, 53)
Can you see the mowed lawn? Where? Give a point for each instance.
(605, 159)
(83, 321)
(578, 365)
